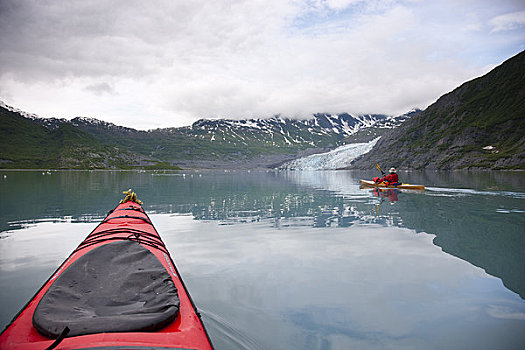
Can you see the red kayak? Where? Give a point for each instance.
(118, 290)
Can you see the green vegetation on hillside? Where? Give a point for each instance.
(26, 144)
(479, 125)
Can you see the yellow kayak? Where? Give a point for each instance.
(370, 183)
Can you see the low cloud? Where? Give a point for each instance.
(100, 88)
(178, 61)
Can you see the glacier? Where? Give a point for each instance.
(335, 159)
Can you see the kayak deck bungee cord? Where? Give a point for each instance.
(119, 289)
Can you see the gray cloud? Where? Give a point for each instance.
(508, 21)
(177, 61)
(100, 88)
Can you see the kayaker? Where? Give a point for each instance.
(391, 178)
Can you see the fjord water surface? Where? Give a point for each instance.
(300, 260)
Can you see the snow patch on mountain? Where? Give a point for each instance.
(321, 130)
(31, 116)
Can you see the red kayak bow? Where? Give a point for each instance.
(119, 289)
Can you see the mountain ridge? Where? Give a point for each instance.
(206, 143)
(479, 125)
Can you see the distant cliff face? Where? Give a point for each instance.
(479, 125)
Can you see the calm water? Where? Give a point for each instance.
(300, 260)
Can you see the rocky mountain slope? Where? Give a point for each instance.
(479, 125)
(27, 141)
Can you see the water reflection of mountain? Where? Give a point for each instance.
(481, 226)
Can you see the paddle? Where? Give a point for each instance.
(381, 170)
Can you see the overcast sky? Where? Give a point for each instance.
(148, 64)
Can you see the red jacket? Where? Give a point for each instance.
(391, 178)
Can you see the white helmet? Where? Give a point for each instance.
(392, 170)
